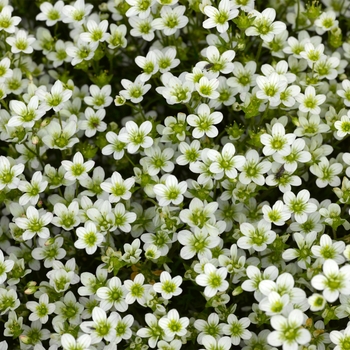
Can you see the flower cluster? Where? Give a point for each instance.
(174, 175)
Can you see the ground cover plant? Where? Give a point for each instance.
(174, 174)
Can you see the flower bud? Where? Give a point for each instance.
(335, 37)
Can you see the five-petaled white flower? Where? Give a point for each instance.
(168, 286)
(264, 25)
(310, 102)
(77, 169)
(170, 192)
(334, 280)
(213, 279)
(135, 136)
(220, 17)
(288, 331)
(204, 121)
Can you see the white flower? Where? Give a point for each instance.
(54, 99)
(204, 122)
(226, 162)
(207, 88)
(317, 302)
(209, 342)
(5, 71)
(329, 249)
(310, 102)
(77, 12)
(50, 253)
(213, 280)
(326, 22)
(312, 54)
(303, 253)
(278, 141)
(96, 32)
(190, 152)
(50, 13)
(41, 310)
(168, 286)
(174, 325)
(271, 88)
(244, 77)
(166, 59)
(60, 138)
(158, 160)
(115, 146)
(326, 173)
(5, 266)
(134, 91)
(197, 243)
(21, 42)
(211, 327)
(344, 93)
(221, 62)
(123, 218)
(32, 190)
(100, 327)
(276, 214)
(139, 8)
(175, 89)
(89, 238)
(236, 328)
(34, 223)
(201, 215)
(153, 331)
(100, 98)
(113, 295)
(93, 122)
(264, 26)
(288, 331)
(171, 192)
(9, 173)
(340, 338)
(59, 54)
(8, 23)
(66, 217)
(343, 126)
(326, 68)
(136, 290)
(77, 170)
(70, 343)
(311, 126)
(253, 169)
(220, 17)
(118, 187)
(117, 36)
(256, 237)
(333, 281)
(297, 154)
(25, 115)
(171, 19)
(142, 27)
(299, 205)
(81, 51)
(148, 64)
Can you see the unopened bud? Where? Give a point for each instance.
(49, 242)
(24, 339)
(335, 37)
(35, 140)
(31, 288)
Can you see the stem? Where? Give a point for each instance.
(259, 51)
(298, 13)
(37, 155)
